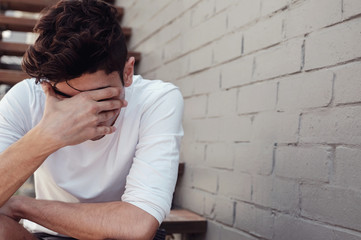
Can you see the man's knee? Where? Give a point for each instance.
(11, 229)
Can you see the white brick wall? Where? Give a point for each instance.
(272, 117)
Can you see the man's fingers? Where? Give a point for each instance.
(110, 105)
(105, 116)
(104, 130)
(104, 93)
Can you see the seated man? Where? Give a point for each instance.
(103, 144)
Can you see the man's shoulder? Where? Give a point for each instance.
(145, 88)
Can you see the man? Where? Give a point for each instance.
(104, 144)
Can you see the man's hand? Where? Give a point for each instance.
(70, 121)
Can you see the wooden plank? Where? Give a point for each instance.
(18, 49)
(27, 25)
(13, 49)
(17, 24)
(11, 77)
(184, 221)
(36, 6)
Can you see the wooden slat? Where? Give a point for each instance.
(18, 49)
(13, 49)
(17, 24)
(35, 5)
(27, 25)
(184, 221)
(11, 77)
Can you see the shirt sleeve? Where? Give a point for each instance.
(14, 115)
(152, 178)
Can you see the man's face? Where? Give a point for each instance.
(89, 82)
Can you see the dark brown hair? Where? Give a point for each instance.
(76, 37)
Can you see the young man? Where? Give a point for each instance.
(104, 144)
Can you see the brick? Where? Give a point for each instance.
(205, 179)
(189, 198)
(186, 86)
(189, 126)
(160, 19)
(335, 125)
(205, 33)
(348, 83)
(275, 127)
(282, 59)
(222, 50)
(332, 205)
(243, 13)
(235, 128)
(207, 81)
(307, 16)
(222, 5)
(351, 8)
(192, 152)
(201, 59)
(173, 70)
(256, 221)
(196, 107)
(173, 49)
(220, 155)
(303, 163)
(254, 158)
(313, 90)
(347, 167)
(276, 193)
(222, 103)
(202, 129)
(333, 45)
(209, 205)
(235, 185)
(257, 97)
(270, 29)
(237, 73)
(232, 234)
(268, 7)
(224, 210)
(202, 11)
(153, 60)
(288, 227)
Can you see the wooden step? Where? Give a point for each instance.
(27, 25)
(18, 49)
(35, 5)
(184, 221)
(13, 49)
(11, 77)
(17, 24)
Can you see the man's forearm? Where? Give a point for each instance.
(112, 220)
(20, 160)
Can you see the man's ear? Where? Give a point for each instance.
(128, 72)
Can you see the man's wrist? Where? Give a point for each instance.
(17, 206)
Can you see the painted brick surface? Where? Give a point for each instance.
(307, 16)
(347, 165)
(333, 45)
(338, 206)
(303, 163)
(254, 220)
(272, 115)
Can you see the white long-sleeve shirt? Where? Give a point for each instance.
(137, 164)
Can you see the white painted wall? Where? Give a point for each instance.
(272, 120)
